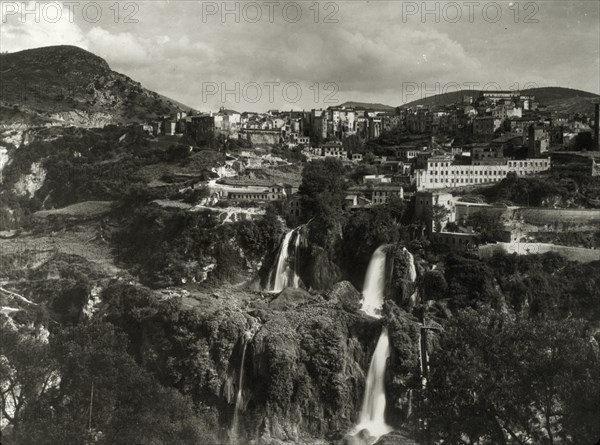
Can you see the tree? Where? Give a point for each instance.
(439, 214)
(583, 141)
(500, 379)
(361, 170)
(489, 226)
(352, 144)
(323, 187)
(27, 370)
(102, 387)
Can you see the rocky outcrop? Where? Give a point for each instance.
(28, 184)
(82, 118)
(317, 270)
(66, 85)
(290, 298)
(344, 294)
(400, 286)
(395, 438)
(307, 374)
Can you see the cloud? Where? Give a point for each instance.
(32, 24)
(122, 49)
(369, 53)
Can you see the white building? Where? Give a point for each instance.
(441, 172)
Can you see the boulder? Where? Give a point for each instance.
(290, 298)
(395, 438)
(318, 271)
(345, 294)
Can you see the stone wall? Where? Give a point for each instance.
(549, 219)
(261, 138)
(578, 254)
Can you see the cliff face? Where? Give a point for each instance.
(66, 85)
(304, 357)
(307, 368)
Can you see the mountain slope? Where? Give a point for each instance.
(367, 106)
(443, 99)
(566, 100)
(66, 84)
(563, 100)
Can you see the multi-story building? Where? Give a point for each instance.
(538, 140)
(275, 192)
(334, 149)
(377, 179)
(484, 126)
(425, 202)
(381, 193)
(225, 122)
(407, 154)
(357, 157)
(487, 154)
(375, 127)
(520, 125)
(441, 172)
(525, 100)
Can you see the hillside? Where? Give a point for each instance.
(367, 106)
(442, 100)
(66, 84)
(566, 100)
(563, 100)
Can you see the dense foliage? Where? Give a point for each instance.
(91, 388)
(497, 379)
(569, 185)
(166, 247)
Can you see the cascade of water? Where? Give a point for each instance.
(411, 265)
(282, 275)
(239, 398)
(374, 286)
(372, 414)
(412, 271)
(296, 280)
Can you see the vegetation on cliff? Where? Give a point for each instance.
(63, 83)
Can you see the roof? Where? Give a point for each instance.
(228, 112)
(524, 119)
(507, 137)
(387, 186)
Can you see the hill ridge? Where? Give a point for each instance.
(66, 84)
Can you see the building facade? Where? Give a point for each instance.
(441, 172)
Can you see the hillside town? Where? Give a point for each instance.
(443, 153)
(182, 268)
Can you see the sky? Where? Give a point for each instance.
(255, 56)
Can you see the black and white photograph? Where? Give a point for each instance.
(310, 222)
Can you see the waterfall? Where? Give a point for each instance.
(282, 275)
(411, 264)
(296, 281)
(372, 414)
(374, 285)
(412, 271)
(239, 398)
